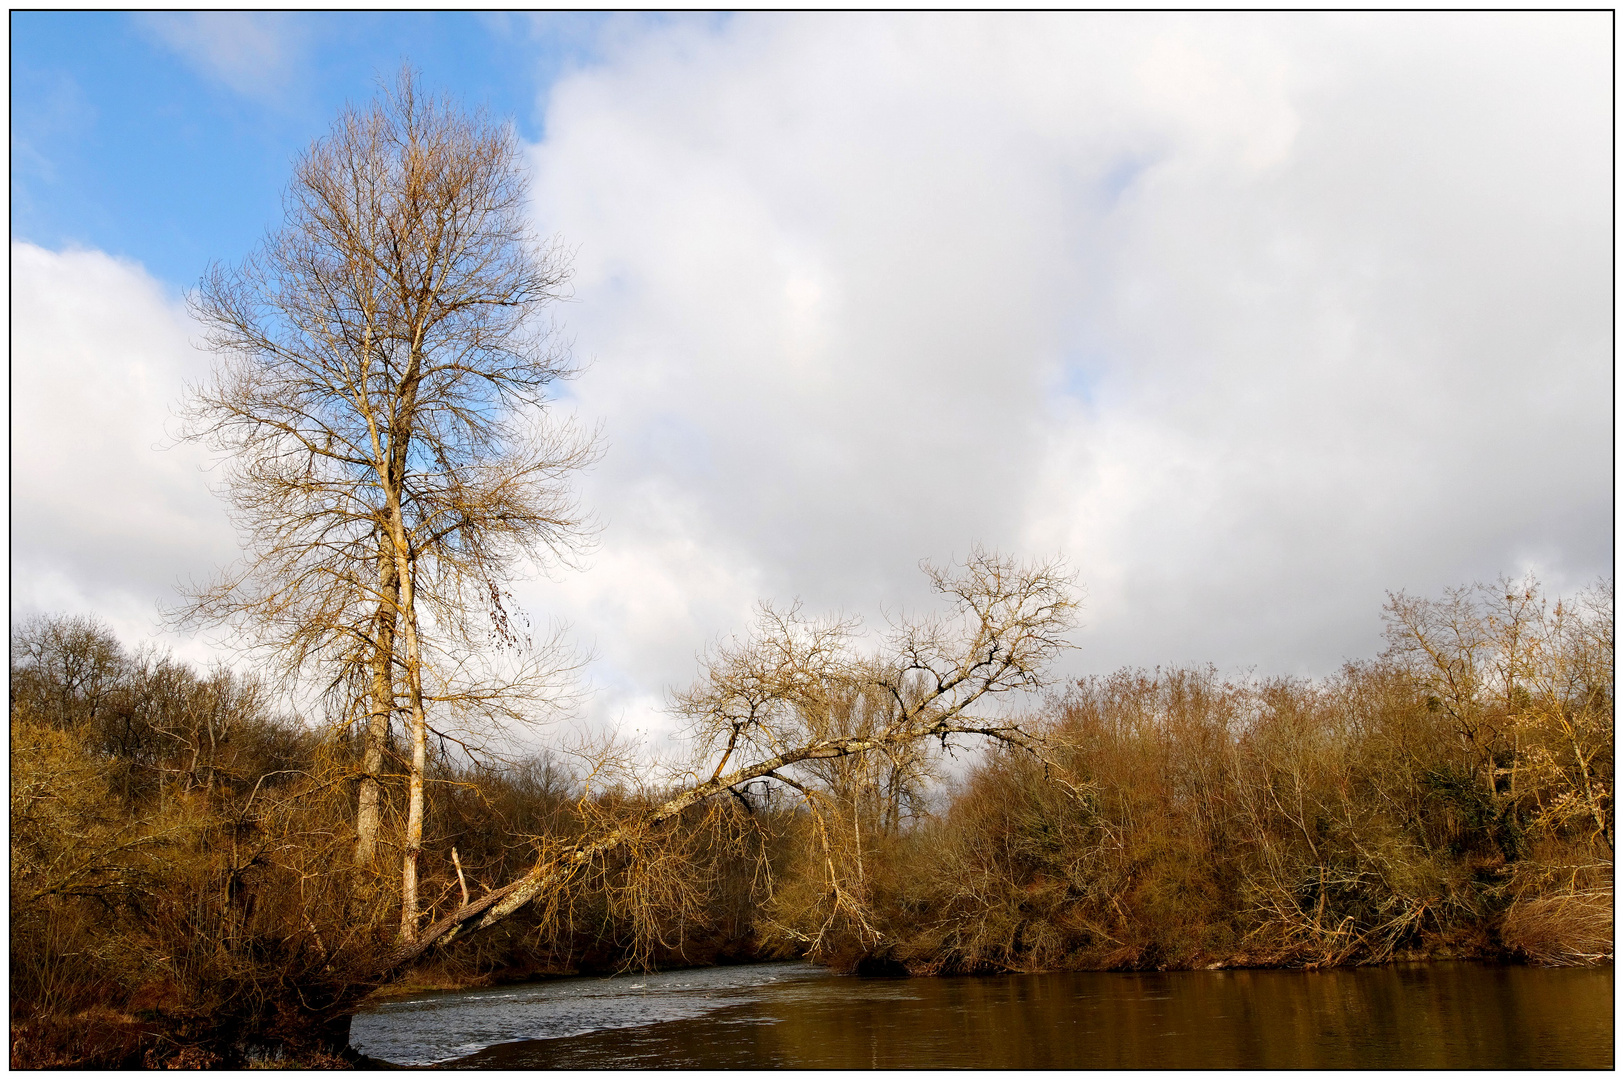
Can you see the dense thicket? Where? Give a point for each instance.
(183, 887)
(1451, 798)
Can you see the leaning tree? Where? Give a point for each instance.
(799, 692)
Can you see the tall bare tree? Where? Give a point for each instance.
(384, 366)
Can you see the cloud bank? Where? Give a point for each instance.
(1251, 319)
(107, 516)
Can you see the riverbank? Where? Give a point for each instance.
(441, 979)
(172, 906)
(1480, 951)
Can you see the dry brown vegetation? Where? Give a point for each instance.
(1451, 798)
(184, 890)
(209, 904)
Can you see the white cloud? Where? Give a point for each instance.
(103, 519)
(1251, 318)
(255, 53)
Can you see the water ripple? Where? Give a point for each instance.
(440, 1027)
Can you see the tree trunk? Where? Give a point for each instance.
(369, 810)
(414, 796)
(406, 568)
(413, 846)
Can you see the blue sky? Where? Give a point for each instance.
(128, 138)
(1251, 318)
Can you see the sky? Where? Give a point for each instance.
(1251, 319)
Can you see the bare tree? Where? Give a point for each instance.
(1564, 711)
(1450, 648)
(379, 400)
(1522, 683)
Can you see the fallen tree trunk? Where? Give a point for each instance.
(556, 871)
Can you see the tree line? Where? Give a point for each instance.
(1451, 798)
(184, 885)
(202, 845)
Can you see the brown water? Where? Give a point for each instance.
(1444, 1015)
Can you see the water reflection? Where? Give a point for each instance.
(792, 1015)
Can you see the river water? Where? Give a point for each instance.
(794, 1015)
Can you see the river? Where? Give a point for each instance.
(794, 1015)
